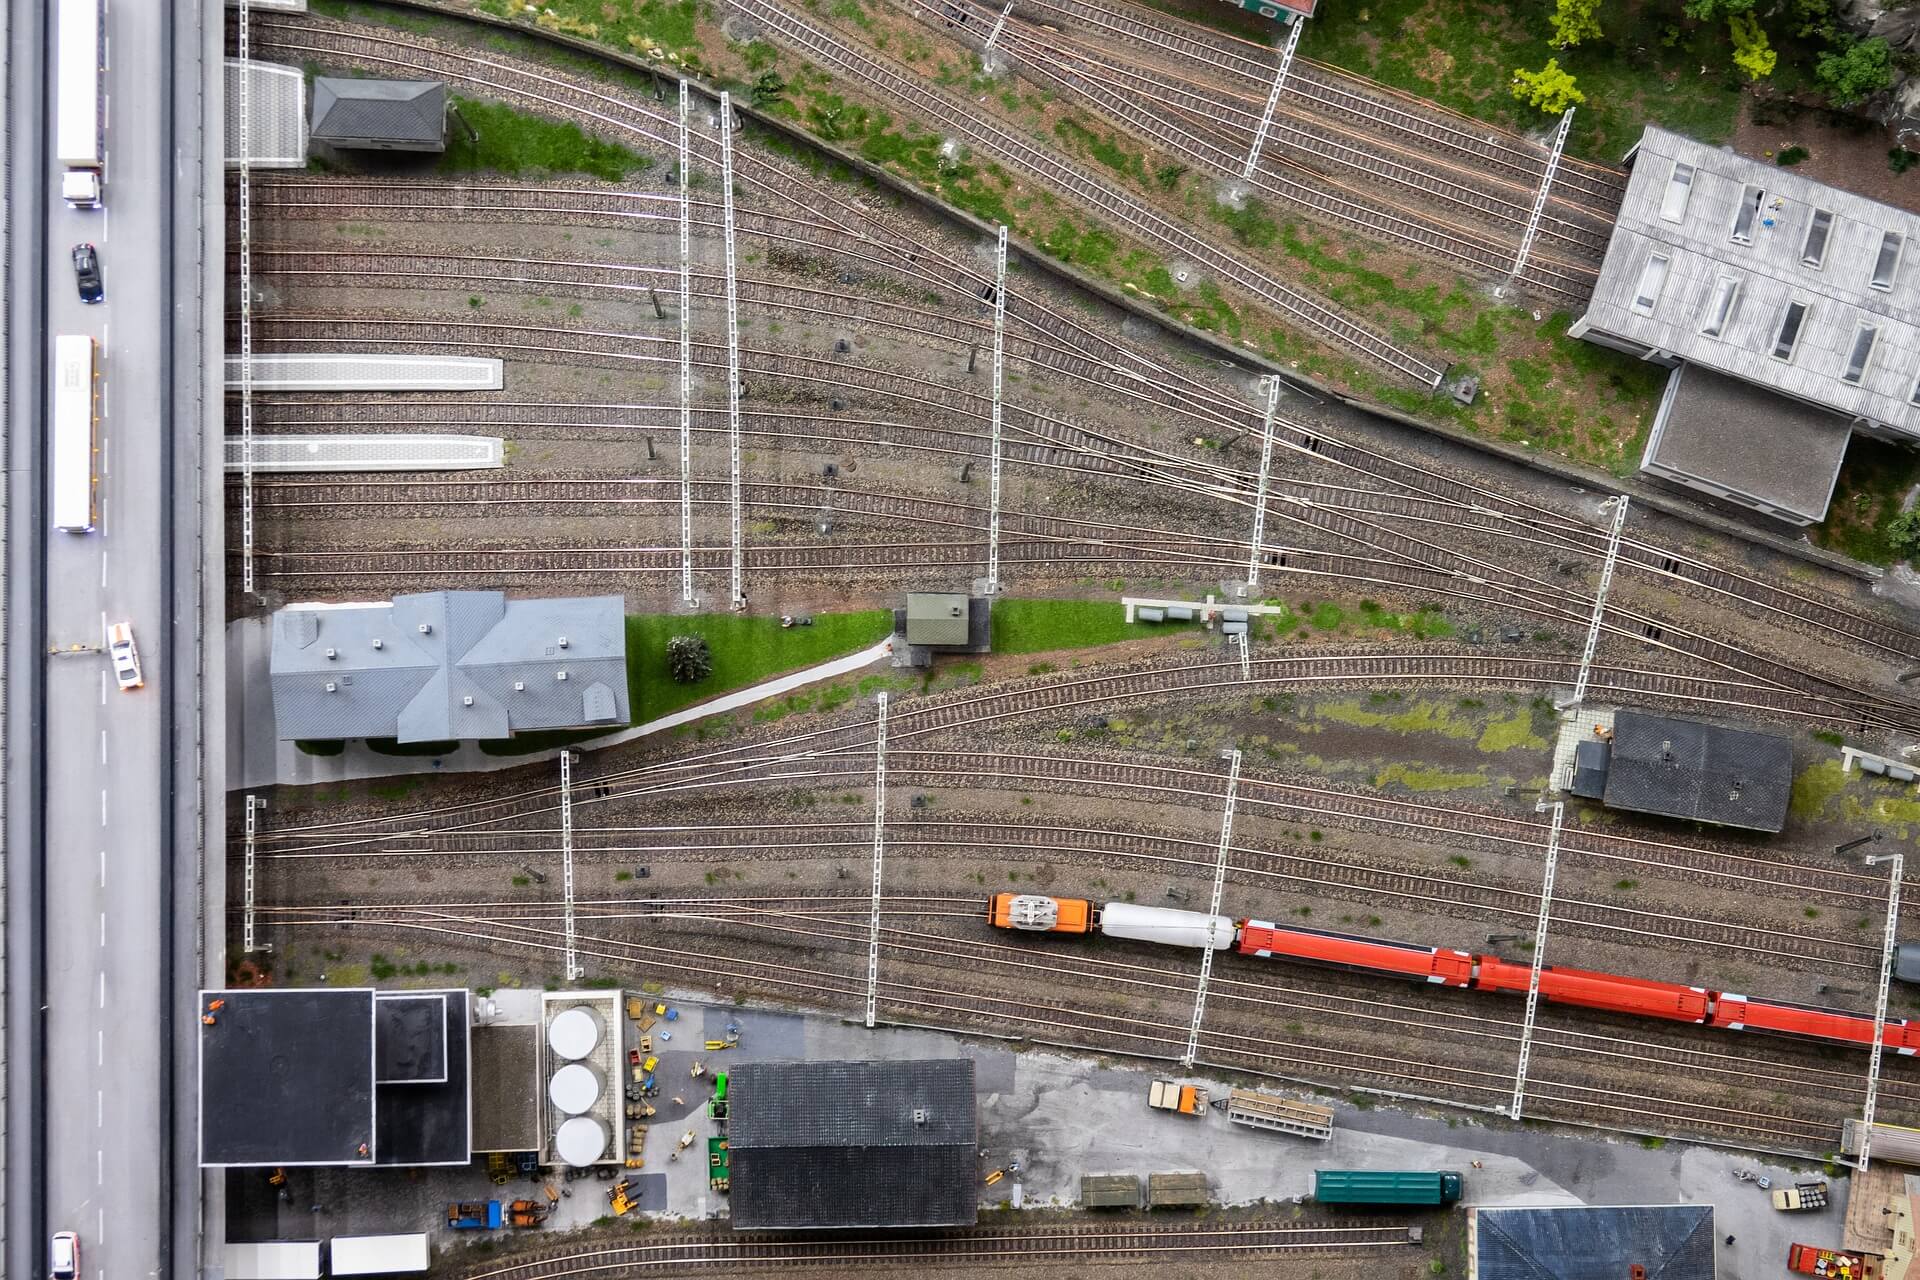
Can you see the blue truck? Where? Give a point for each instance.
(474, 1215)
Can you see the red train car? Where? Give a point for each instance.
(1613, 992)
(1264, 938)
(1739, 1013)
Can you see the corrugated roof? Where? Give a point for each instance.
(1769, 270)
(853, 1144)
(484, 667)
(350, 110)
(936, 618)
(1702, 772)
(1670, 1242)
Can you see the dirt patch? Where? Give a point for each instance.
(1842, 150)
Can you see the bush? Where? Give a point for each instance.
(689, 659)
(1903, 532)
(1790, 157)
(1854, 70)
(1550, 89)
(1899, 159)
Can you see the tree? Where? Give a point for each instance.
(1550, 89)
(689, 659)
(1903, 532)
(1751, 52)
(1574, 21)
(1708, 10)
(1852, 71)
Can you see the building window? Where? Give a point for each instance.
(1862, 353)
(1721, 307)
(1653, 278)
(1673, 201)
(1790, 326)
(1814, 252)
(1887, 263)
(1751, 198)
(1913, 397)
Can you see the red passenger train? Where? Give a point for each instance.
(1442, 966)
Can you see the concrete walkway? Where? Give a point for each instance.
(263, 760)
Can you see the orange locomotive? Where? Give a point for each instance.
(1038, 913)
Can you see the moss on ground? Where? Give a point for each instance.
(1814, 787)
(1414, 778)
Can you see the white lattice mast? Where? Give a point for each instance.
(1266, 467)
(1600, 600)
(1880, 1000)
(1540, 199)
(246, 303)
(1539, 955)
(879, 854)
(566, 862)
(246, 920)
(999, 388)
(686, 362)
(1213, 908)
(738, 599)
(1273, 97)
(1000, 24)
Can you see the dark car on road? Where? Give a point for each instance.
(86, 269)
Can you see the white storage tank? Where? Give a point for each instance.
(574, 1088)
(1166, 927)
(580, 1141)
(573, 1033)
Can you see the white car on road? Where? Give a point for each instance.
(126, 658)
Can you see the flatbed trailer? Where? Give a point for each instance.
(1280, 1115)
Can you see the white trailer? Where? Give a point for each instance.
(380, 1255)
(71, 438)
(1166, 926)
(274, 1260)
(79, 121)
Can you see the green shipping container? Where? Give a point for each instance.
(1385, 1187)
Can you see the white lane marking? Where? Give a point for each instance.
(103, 626)
(103, 868)
(99, 1167)
(103, 988)
(103, 806)
(103, 673)
(100, 1225)
(103, 928)
(106, 403)
(99, 1107)
(100, 1048)
(103, 587)
(103, 746)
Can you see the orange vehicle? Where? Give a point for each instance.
(1611, 991)
(1038, 913)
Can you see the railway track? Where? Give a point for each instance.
(1188, 125)
(713, 1251)
(1333, 91)
(298, 41)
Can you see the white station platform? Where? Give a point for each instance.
(370, 453)
(359, 371)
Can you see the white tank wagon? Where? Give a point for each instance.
(1166, 927)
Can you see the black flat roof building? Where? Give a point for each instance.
(853, 1144)
(1688, 769)
(323, 1076)
(1654, 1242)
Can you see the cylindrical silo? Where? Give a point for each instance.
(580, 1141)
(573, 1033)
(575, 1088)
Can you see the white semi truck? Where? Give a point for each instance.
(79, 121)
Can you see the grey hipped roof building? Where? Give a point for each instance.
(1688, 769)
(1653, 1242)
(1734, 267)
(379, 115)
(449, 665)
(853, 1144)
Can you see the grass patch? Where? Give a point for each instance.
(1037, 626)
(1866, 497)
(1814, 787)
(746, 650)
(1514, 732)
(521, 145)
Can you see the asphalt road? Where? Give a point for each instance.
(105, 811)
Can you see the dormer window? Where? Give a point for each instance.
(1673, 200)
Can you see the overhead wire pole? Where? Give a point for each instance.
(879, 852)
(566, 861)
(739, 597)
(1539, 201)
(1899, 862)
(1219, 885)
(686, 363)
(247, 943)
(1273, 97)
(1260, 495)
(1539, 953)
(998, 26)
(999, 386)
(246, 305)
(1600, 600)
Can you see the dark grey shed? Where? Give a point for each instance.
(380, 115)
(1702, 772)
(853, 1144)
(1654, 1242)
